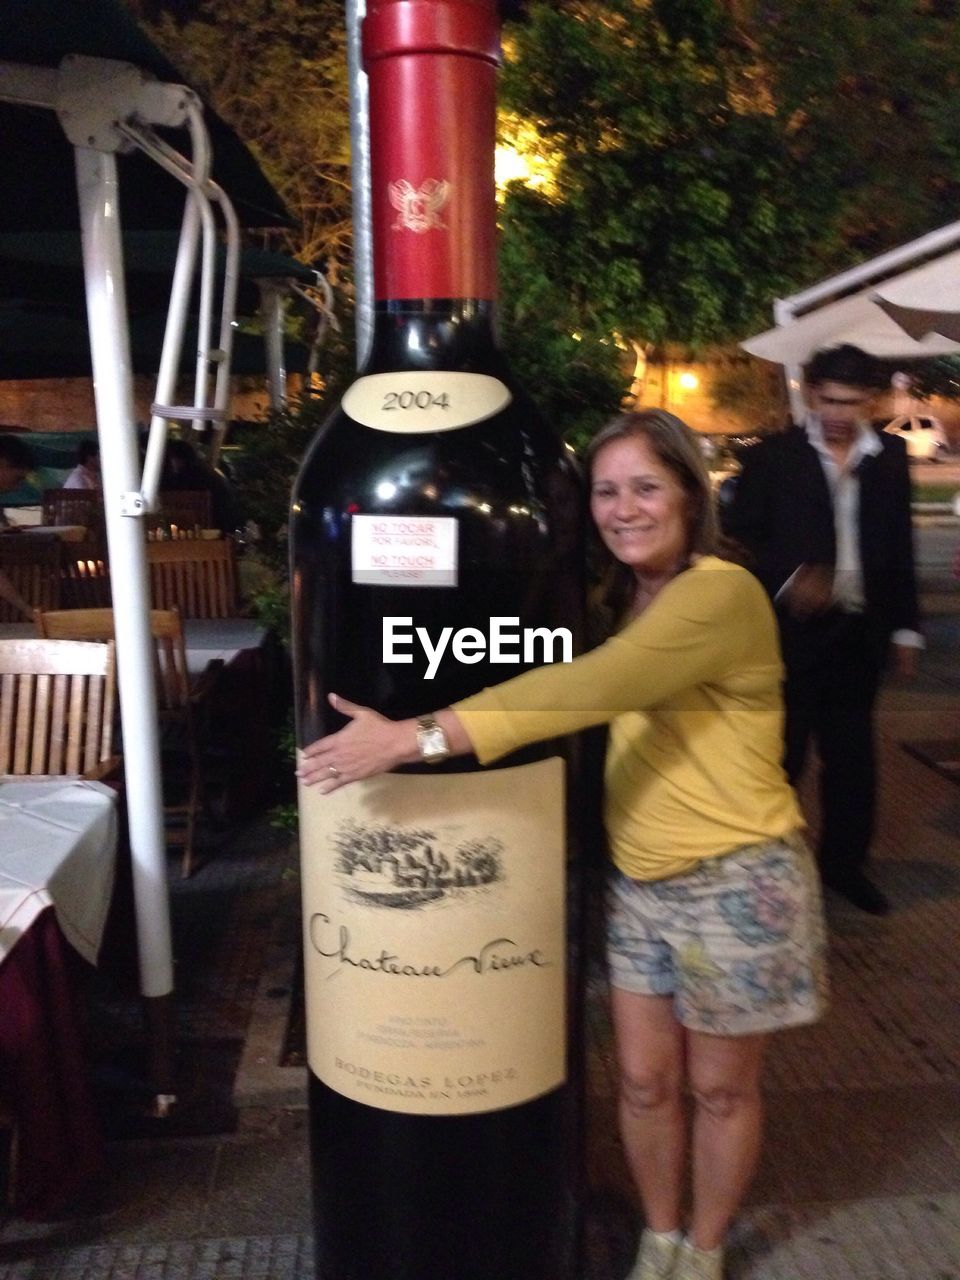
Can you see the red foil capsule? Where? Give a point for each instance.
(432, 66)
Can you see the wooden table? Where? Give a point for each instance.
(58, 842)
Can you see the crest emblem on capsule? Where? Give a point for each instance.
(419, 209)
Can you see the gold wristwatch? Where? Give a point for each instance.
(432, 741)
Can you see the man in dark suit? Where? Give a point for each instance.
(824, 509)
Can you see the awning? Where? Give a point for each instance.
(857, 319)
(42, 340)
(37, 191)
(925, 301)
(43, 315)
(48, 265)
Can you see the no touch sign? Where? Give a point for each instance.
(404, 551)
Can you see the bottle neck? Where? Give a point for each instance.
(434, 333)
(432, 66)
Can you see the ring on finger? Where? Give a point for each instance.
(333, 771)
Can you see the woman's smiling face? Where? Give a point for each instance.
(640, 508)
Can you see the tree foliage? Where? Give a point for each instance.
(717, 154)
(671, 222)
(276, 70)
(867, 94)
(709, 156)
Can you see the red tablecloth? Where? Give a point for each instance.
(44, 1077)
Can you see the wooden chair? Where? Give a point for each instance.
(32, 563)
(56, 709)
(197, 577)
(179, 701)
(74, 506)
(189, 510)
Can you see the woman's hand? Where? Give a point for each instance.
(368, 745)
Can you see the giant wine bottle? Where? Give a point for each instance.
(435, 542)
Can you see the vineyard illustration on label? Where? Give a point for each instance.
(408, 868)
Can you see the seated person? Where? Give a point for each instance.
(183, 468)
(86, 474)
(15, 461)
(22, 481)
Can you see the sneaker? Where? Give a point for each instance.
(698, 1264)
(658, 1250)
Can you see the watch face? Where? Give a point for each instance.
(433, 742)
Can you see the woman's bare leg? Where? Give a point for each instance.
(650, 1051)
(724, 1076)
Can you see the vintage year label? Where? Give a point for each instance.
(410, 402)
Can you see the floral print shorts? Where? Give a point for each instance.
(739, 942)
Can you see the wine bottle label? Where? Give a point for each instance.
(434, 938)
(408, 402)
(404, 551)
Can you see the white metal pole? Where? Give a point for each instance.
(272, 298)
(113, 390)
(172, 347)
(360, 182)
(783, 314)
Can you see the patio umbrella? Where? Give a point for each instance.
(48, 265)
(42, 340)
(926, 301)
(858, 319)
(75, 136)
(43, 320)
(36, 191)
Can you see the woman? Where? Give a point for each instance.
(184, 468)
(714, 933)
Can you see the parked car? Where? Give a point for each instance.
(924, 437)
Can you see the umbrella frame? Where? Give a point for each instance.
(104, 107)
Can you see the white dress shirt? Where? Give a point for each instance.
(82, 477)
(843, 481)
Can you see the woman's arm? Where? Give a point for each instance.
(370, 744)
(691, 634)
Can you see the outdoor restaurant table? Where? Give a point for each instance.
(58, 841)
(65, 532)
(207, 639)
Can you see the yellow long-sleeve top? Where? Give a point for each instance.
(691, 690)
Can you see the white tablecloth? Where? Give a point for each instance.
(223, 633)
(206, 639)
(58, 842)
